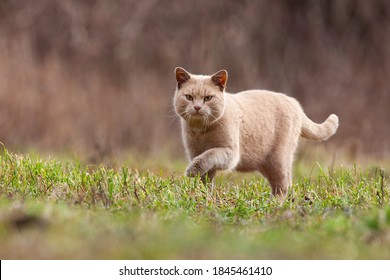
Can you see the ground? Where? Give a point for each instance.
(62, 209)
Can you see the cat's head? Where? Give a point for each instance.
(200, 99)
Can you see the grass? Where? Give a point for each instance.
(64, 210)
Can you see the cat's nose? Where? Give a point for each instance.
(197, 108)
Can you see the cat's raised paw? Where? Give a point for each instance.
(195, 169)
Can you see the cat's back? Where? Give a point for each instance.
(263, 98)
(255, 104)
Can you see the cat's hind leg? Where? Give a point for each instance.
(278, 172)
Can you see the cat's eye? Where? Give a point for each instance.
(189, 97)
(207, 98)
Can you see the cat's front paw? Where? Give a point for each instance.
(195, 169)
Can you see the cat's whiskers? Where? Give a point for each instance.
(215, 120)
(206, 122)
(172, 115)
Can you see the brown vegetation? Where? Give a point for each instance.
(97, 76)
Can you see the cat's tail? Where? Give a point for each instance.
(319, 132)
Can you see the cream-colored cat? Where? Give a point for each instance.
(248, 131)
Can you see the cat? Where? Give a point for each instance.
(254, 130)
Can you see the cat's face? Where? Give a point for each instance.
(200, 100)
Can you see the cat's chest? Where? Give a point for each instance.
(201, 138)
(198, 141)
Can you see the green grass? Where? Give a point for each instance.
(64, 210)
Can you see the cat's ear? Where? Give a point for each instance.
(220, 79)
(182, 76)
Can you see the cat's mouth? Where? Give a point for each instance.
(195, 116)
(196, 113)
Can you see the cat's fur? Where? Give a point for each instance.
(248, 131)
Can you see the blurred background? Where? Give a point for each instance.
(96, 77)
